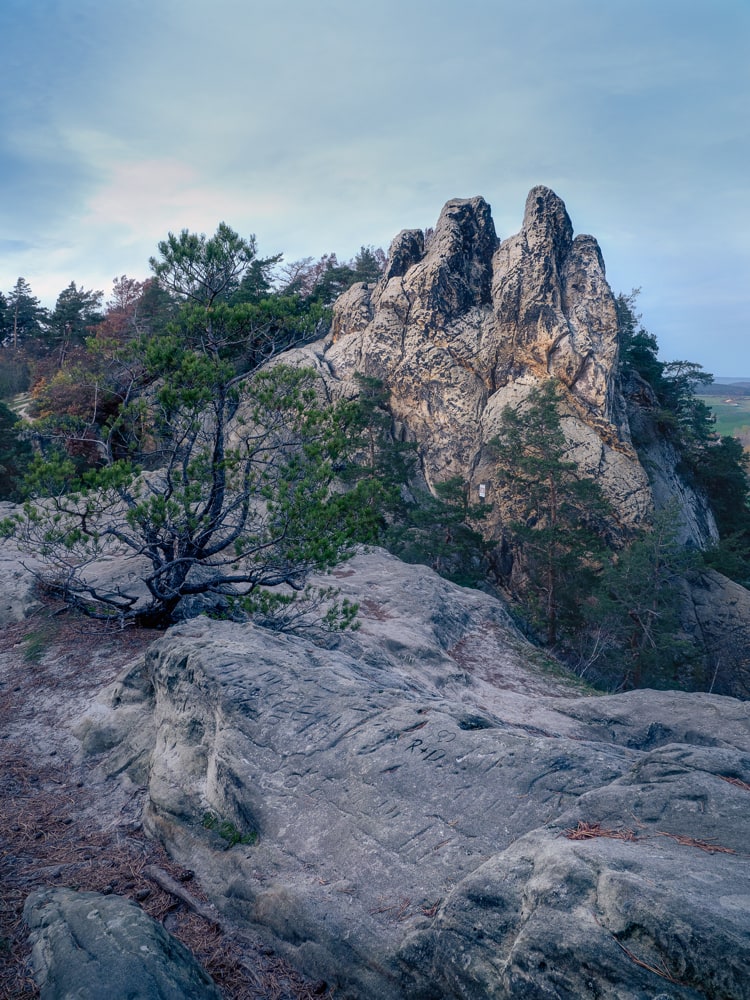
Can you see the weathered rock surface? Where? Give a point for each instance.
(465, 325)
(86, 946)
(411, 788)
(718, 613)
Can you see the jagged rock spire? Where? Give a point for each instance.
(462, 325)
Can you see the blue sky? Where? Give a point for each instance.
(324, 126)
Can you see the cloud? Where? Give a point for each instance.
(322, 127)
(144, 199)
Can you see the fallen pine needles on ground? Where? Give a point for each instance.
(737, 782)
(658, 970)
(588, 831)
(703, 845)
(56, 831)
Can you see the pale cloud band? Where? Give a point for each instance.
(323, 127)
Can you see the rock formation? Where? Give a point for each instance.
(88, 946)
(437, 809)
(464, 325)
(438, 813)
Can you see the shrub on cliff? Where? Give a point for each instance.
(717, 466)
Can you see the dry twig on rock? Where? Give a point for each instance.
(702, 845)
(588, 831)
(174, 888)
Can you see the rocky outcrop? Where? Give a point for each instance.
(462, 326)
(694, 520)
(717, 613)
(440, 813)
(88, 946)
(554, 308)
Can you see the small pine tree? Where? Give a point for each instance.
(558, 513)
(634, 612)
(25, 317)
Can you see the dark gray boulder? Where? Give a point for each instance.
(86, 946)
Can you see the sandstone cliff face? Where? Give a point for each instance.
(659, 458)
(464, 325)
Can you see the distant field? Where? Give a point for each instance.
(732, 415)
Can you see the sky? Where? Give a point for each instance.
(321, 127)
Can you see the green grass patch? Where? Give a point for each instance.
(732, 415)
(227, 830)
(36, 643)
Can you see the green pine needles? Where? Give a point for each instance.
(611, 610)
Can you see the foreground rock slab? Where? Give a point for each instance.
(88, 946)
(437, 813)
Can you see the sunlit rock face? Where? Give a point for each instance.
(462, 325)
(553, 308)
